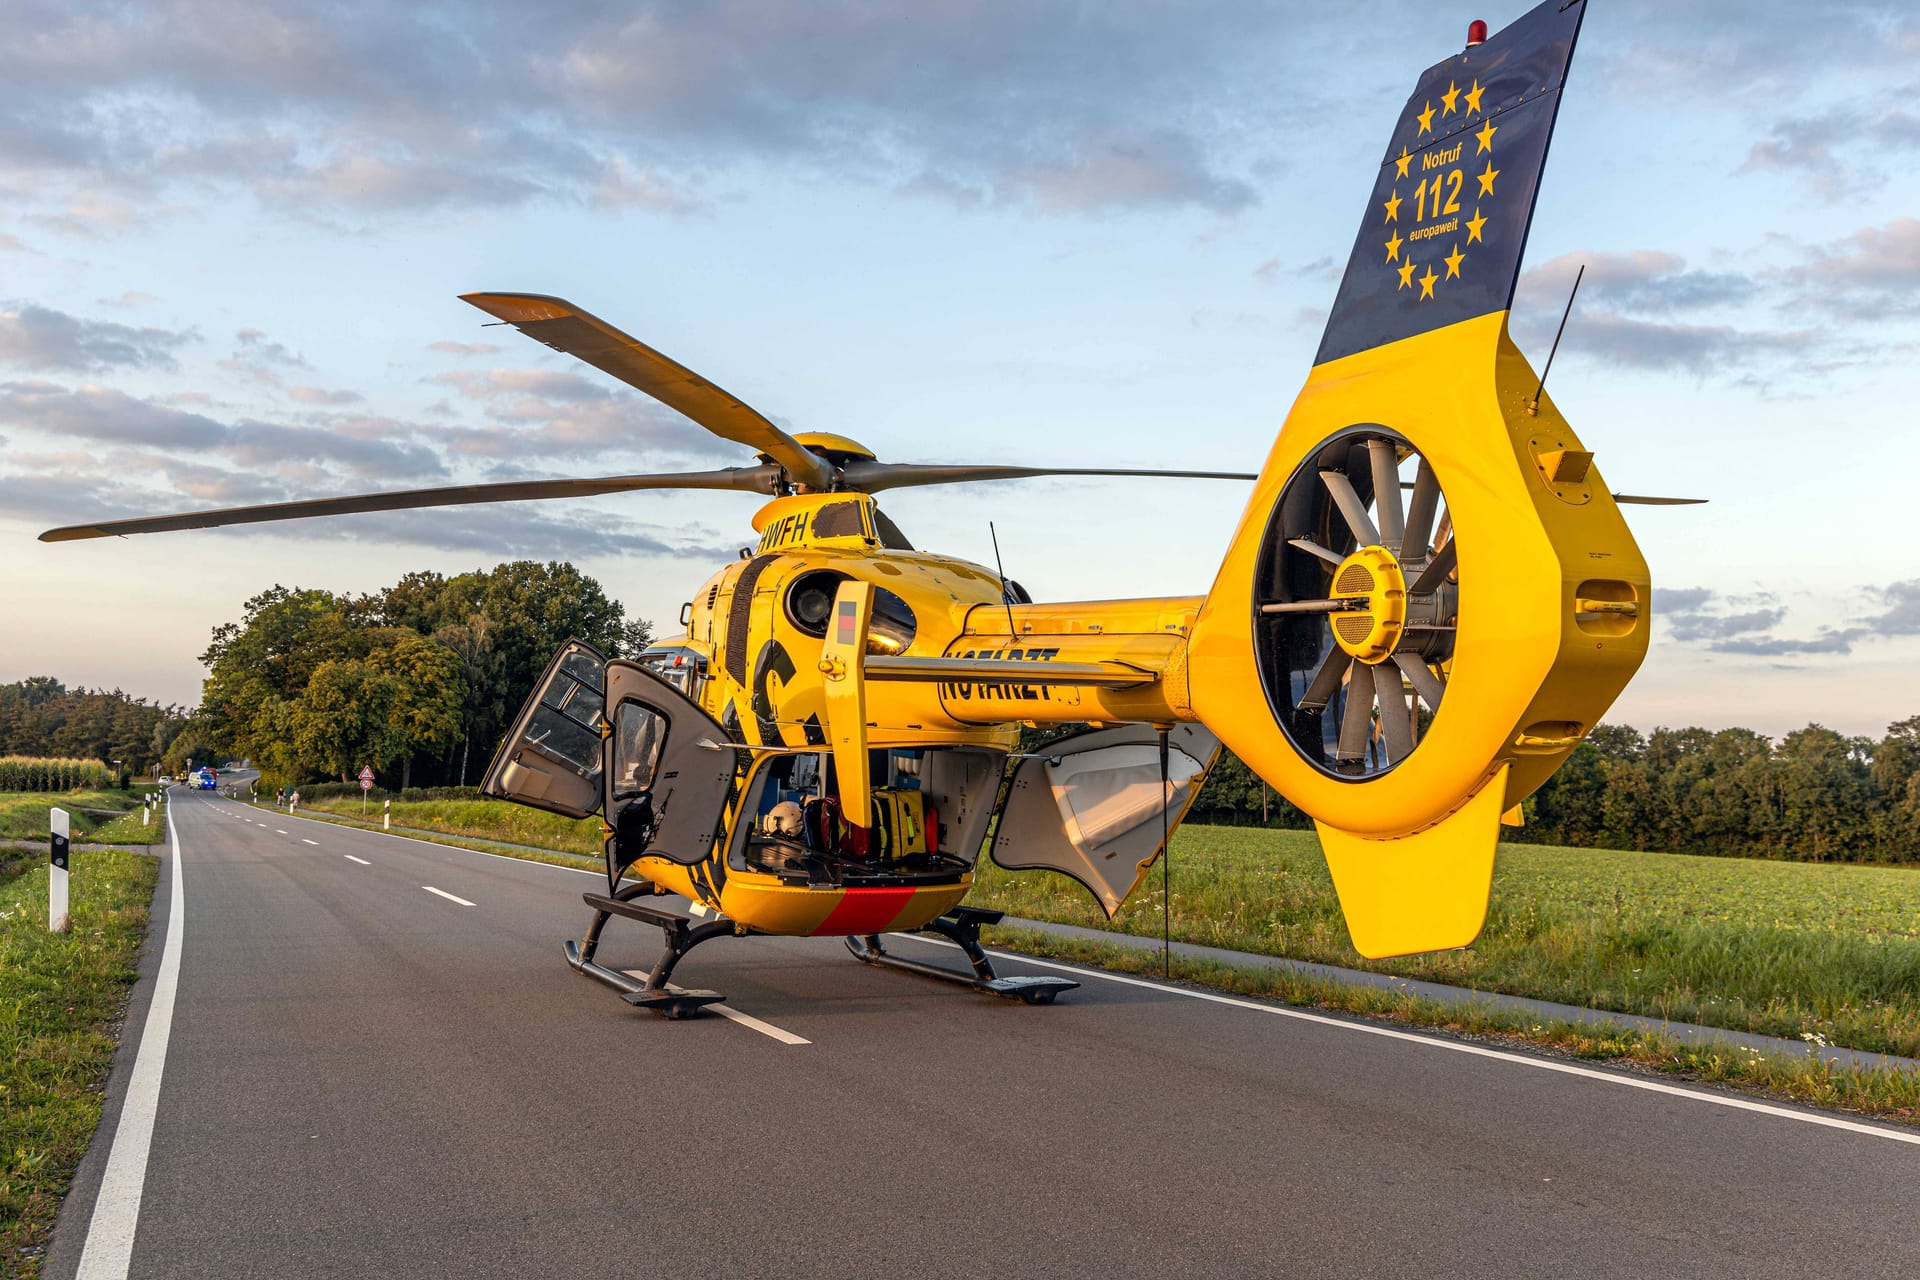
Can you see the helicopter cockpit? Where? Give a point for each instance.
(925, 801)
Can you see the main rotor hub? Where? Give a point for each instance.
(1370, 629)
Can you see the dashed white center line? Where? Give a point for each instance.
(350, 858)
(314, 843)
(448, 896)
(277, 831)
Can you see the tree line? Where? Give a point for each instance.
(41, 717)
(422, 677)
(1814, 795)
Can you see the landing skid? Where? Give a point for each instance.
(961, 926)
(654, 993)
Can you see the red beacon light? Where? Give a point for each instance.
(1476, 33)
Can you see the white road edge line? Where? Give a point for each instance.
(108, 1251)
(443, 893)
(746, 1020)
(350, 858)
(1478, 1051)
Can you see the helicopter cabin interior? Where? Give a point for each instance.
(930, 808)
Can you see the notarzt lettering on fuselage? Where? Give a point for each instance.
(1004, 690)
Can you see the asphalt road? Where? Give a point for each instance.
(366, 1077)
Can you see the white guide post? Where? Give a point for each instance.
(386, 815)
(57, 875)
(146, 811)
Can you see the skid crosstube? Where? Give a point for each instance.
(961, 926)
(681, 937)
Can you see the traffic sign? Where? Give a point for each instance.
(366, 777)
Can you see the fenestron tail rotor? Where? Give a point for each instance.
(1358, 605)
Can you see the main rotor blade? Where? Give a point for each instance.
(1351, 507)
(1386, 491)
(873, 477)
(761, 479)
(1396, 714)
(1436, 571)
(1420, 512)
(565, 327)
(1640, 500)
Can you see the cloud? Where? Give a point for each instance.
(1873, 274)
(320, 396)
(1648, 309)
(1697, 615)
(1108, 174)
(259, 360)
(1837, 153)
(1064, 108)
(624, 185)
(464, 349)
(40, 338)
(113, 417)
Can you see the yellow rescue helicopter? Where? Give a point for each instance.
(1429, 599)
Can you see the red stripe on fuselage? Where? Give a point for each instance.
(864, 911)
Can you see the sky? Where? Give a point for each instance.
(232, 236)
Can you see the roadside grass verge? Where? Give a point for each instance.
(61, 998)
(95, 817)
(1887, 1095)
(1806, 951)
(485, 819)
(1799, 950)
(478, 844)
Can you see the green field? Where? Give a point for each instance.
(60, 997)
(1801, 950)
(97, 817)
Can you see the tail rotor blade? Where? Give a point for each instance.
(1421, 676)
(1326, 681)
(1395, 718)
(1436, 572)
(1386, 490)
(1356, 721)
(1420, 513)
(1351, 507)
(1313, 548)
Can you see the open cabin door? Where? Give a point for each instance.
(1089, 806)
(551, 757)
(669, 771)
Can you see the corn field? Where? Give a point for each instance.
(34, 773)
